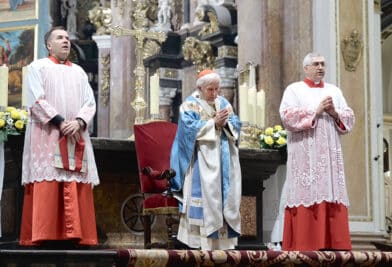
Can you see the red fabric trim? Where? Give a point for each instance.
(340, 125)
(63, 144)
(57, 61)
(311, 83)
(79, 151)
(321, 226)
(158, 201)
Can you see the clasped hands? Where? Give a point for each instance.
(327, 105)
(221, 118)
(71, 129)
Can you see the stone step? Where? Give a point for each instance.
(366, 241)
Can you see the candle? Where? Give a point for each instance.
(24, 76)
(243, 102)
(252, 76)
(252, 105)
(260, 108)
(3, 86)
(154, 94)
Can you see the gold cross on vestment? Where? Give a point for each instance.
(141, 35)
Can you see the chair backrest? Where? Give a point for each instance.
(153, 142)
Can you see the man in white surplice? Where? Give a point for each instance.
(315, 115)
(208, 175)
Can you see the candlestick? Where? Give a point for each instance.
(154, 94)
(3, 86)
(260, 108)
(252, 104)
(243, 102)
(24, 76)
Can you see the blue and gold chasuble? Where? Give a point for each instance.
(208, 174)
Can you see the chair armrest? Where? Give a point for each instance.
(169, 174)
(159, 175)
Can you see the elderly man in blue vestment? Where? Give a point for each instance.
(208, 174)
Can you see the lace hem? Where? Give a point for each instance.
(319, 201)
(94, 182)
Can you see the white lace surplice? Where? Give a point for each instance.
(315, 170)
(55, 89)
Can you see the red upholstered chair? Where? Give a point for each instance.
(153, 142)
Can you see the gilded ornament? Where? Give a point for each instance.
(199, 52)
(352, 50)
(212, 26)
(101, 17)
(105, 81)
(140, 16)
(151, 48)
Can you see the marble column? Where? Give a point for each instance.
(122, 64)
(297, 40)
(226, 63)
(103, 109)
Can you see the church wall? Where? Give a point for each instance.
(362, 91)
(355, 90)
(387, 74)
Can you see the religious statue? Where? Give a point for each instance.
(69, 10)
(163, 16)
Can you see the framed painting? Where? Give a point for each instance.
(15, 10)
(18, 47)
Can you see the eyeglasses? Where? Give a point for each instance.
(316, 64)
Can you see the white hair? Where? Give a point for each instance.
(208, 79)
(308, 59)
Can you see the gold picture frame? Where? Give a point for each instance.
(18, 48)
(17, 10)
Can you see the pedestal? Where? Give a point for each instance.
(12, 198)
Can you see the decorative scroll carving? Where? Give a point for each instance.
(227, 51)
(151, 48)
(377, 5)
(169, 73)
(101, 17)
(211, 27)
(352, 50)
(199, 52)
(105, 81)
(140, 15)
